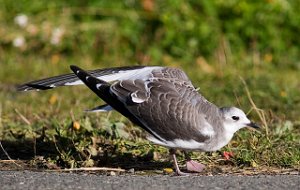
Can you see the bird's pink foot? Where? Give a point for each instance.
(227, 155)
(180, 173)
(194, 166)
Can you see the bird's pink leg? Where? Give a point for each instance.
(173, 156)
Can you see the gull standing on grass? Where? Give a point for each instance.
(162, 101)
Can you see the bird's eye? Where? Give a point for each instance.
(235, 118)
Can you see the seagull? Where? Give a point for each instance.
(163, 102)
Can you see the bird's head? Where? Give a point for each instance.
(235, 119)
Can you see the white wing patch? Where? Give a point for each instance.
(136, 99)
(98, 85)
(142, 74)
(77, 82)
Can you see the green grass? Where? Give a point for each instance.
(38, 127)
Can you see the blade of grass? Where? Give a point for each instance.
(7, 155)
(260, 112)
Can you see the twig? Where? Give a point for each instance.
(5, 151)
(7, 160)
(7, 155)
(0, 115)
(23, 117)
(72, 115)
(92, 169)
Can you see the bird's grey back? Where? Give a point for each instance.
(172, 108)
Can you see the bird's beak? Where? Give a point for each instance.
(253, 125)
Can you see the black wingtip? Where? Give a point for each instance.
(75, 69)
(29, 86)
(81, 74)
(39, 87)
(22, 87)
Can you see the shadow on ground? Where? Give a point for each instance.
(35, 155)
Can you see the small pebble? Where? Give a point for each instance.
(112, 173)
(168, 170)
(131, 171)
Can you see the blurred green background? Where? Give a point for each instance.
(218, 43)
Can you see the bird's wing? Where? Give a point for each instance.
(163, 101)
(169, 108)
(108, 75)
(169, 105)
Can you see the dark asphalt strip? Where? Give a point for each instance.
(45, 180)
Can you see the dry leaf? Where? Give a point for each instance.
(168, 170)
(205, 67)
(268, 57)
(55, 59)
(148, 5)
(53, 99)
(254, 164)
(76, 125)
